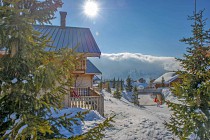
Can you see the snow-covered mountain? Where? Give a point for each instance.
(134, 64)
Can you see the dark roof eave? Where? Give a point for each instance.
(91, 68)
(92, 54)
(94, 73)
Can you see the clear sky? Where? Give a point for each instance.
(152, 27)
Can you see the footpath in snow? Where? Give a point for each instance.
(136, 123)
(132, 122)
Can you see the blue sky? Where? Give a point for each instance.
(152, 27)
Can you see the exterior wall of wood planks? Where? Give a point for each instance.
(84, 80)
(178, 80)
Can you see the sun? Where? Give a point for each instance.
(91, 8)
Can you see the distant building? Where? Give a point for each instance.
(83, 43)
(2, 53)
(140, 85)
(96, 80)
(167, 80)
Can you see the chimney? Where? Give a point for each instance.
(63, 19)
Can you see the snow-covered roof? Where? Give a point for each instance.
(168, 77)
(138, 84)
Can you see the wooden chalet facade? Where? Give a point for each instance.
(2, 53)
(167, 80)
(82, 95)
(82, 41)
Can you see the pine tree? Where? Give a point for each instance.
(129, 86)
(101, 85)
(192, 115)
(118, 83)
(135, 96)
(27, 72)
(163, 82)
(33, 81)
(117, 93)
(121, 85)
(108, 87)
(114, 83)
(151, 83)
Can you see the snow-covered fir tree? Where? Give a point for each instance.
(101, 85)
(32, 80)
(135, 96)
(114, 83)
(163, 82)
(129, 86)
(121, 85)
(108, 87)
(191, 117)
(117, 94)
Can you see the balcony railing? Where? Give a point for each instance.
(81, 66)
(86, 98)
(77, 92)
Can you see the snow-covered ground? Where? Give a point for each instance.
(92, 119)
(136, 123)
(144, 122)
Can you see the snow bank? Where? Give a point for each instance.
(169, 96)
(91, 119)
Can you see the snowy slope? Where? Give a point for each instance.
(169, 96)
(131, 122)
(136, 123)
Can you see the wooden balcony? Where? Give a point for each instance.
(80, 67)
(86, 98)
(2, 53)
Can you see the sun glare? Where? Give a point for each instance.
(91, 8)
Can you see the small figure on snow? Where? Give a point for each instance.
(157, 101)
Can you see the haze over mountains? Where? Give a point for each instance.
(134, 64)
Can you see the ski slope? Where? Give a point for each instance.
(136, 123)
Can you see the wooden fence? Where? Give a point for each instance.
(149, 91)
(88, 99)
(80, 92)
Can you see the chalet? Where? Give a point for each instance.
(166, 80)
(140, 85)
(82, 41)
(82, 94)
(2, 53)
